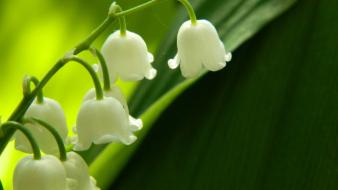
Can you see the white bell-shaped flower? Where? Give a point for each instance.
(199, 49)
(77, 173)
(102, 121)
(115, 92)
(51, 112)
(127, 57)
(45, 174)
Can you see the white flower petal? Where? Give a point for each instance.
(31, 174)
(114, 92)
(51, 112)
(93, 183)
(135, 124)
(228, 57)
(127, 56)
(71, 184)
(102, 121)
(151, 74)
(199, 48)
(71, 140)
(128, 140)
(150, 57)
(191, 69)
(112, 74)
(132, 126)
(108, 138)
(82, 146)
(174, 63)
(77, 173)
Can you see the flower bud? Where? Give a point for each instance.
(199, 49)
(77, 173)
(51, 112)
(127, 57)
(45, 174)
(102, 121)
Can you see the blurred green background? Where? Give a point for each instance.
(34, 34)
(267, 121)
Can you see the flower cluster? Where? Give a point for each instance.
(104, 114)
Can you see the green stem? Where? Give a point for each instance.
(17, 126)
(110, 19)
(138, 8)
(96, 81)
(27, 89)
(190, 10)
(122, 19)
(57, 136)
(104, 67)
(89, 40)
(123, 25)
(113, 11)
(27, 100)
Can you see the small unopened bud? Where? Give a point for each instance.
(114, 8)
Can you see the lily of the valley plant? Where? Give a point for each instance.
(39, 123)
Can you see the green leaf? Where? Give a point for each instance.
(236, 21)
(1, 187)
(268, 121)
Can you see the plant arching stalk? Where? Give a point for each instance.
(123, 25)
(96, 81)
(138, 8)
(104, 67)
(51, 129)
(122, 19)
(27, 100)
(109, 20)
(17, 126)
(27, 90)
(96, 33)
(190, 10)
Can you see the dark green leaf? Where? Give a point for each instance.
(268, 121)
(236, 21)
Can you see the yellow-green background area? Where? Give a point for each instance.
(35, 33)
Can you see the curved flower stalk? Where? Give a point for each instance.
(43, 174)
(77, 177)
(36, 172)
(115, 92)
(199, 49)
(127, 57)
(77, 173)
(51, 112)
(102, 121)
